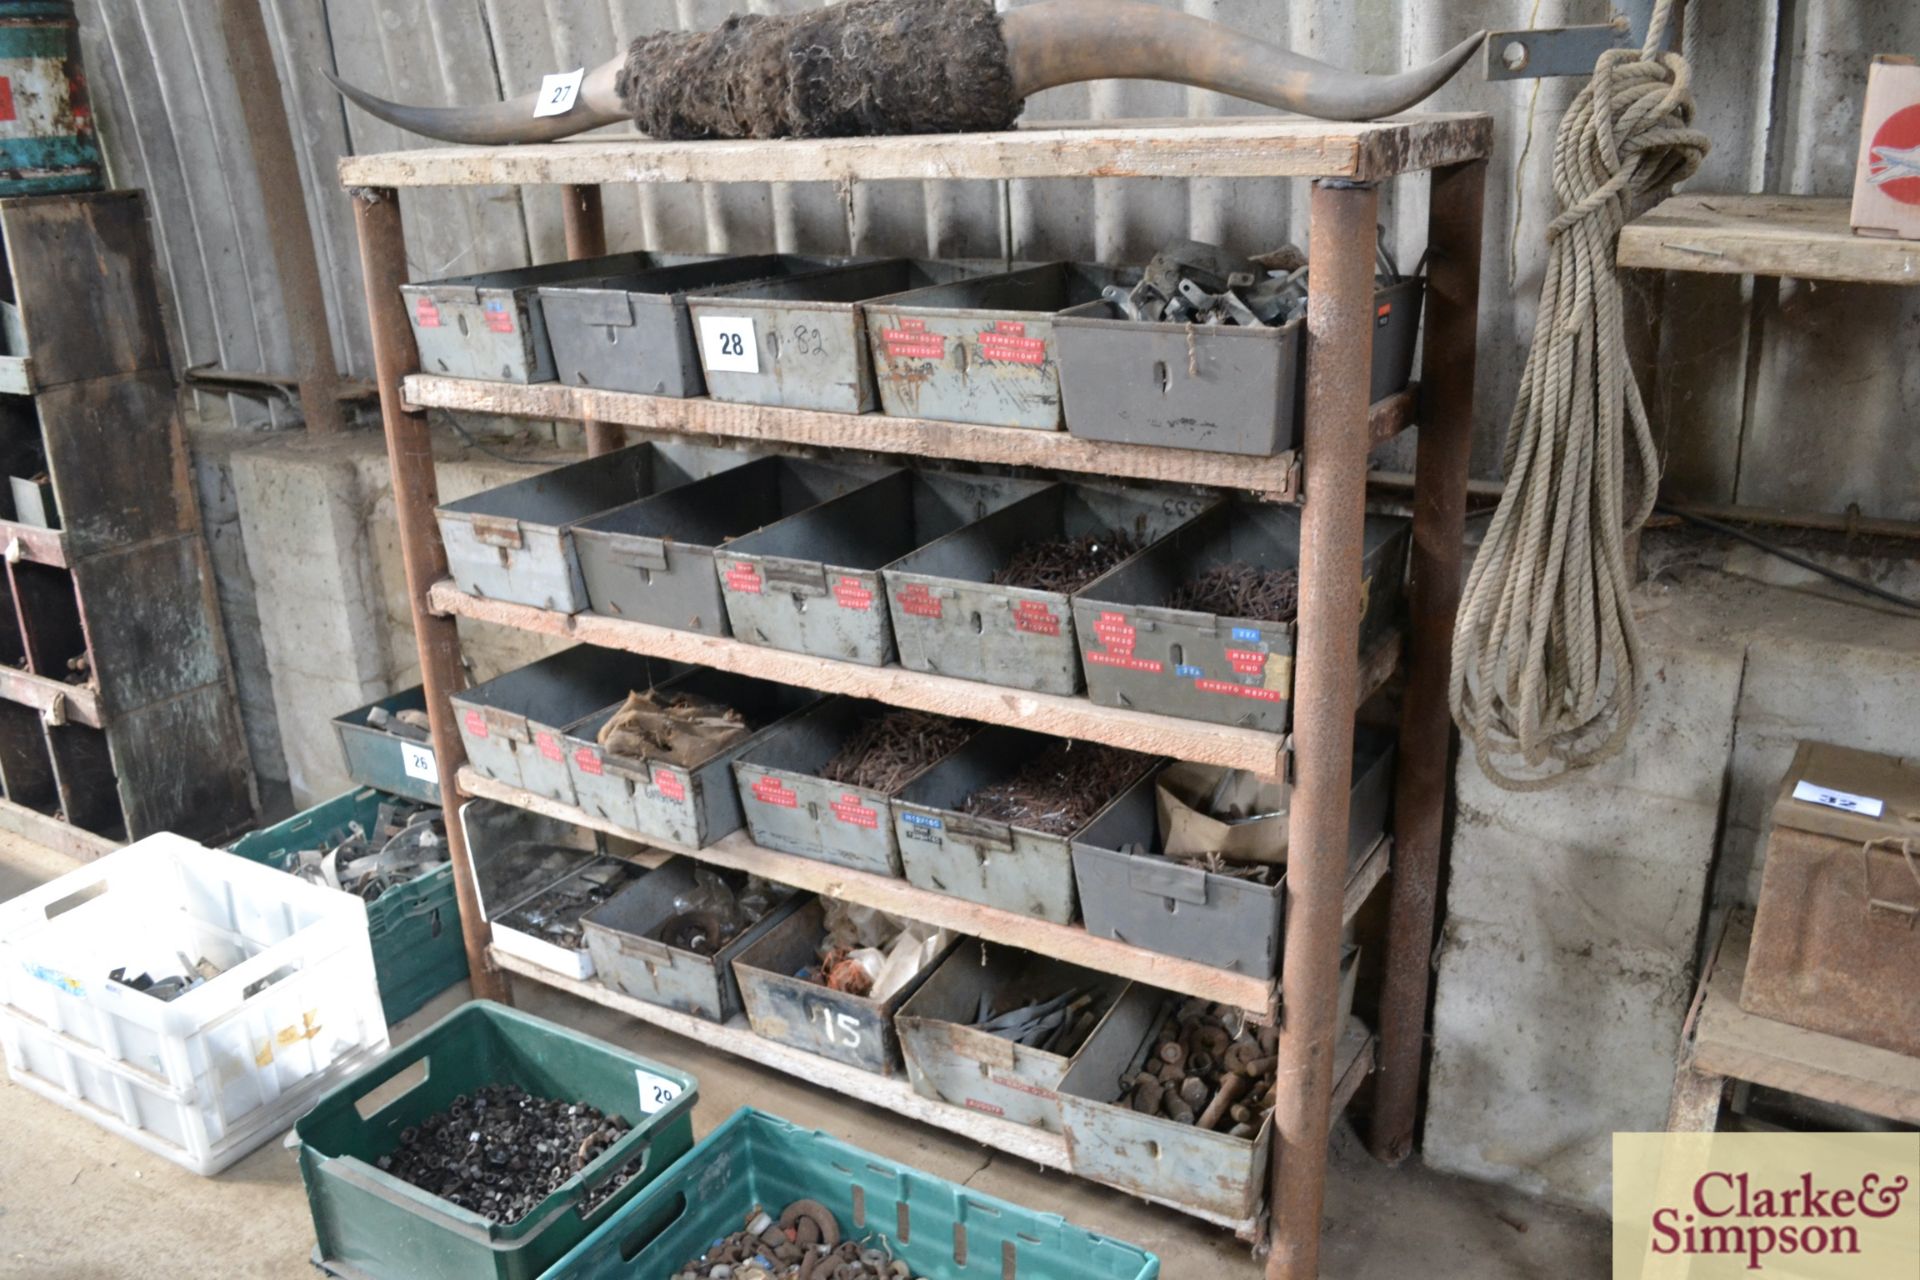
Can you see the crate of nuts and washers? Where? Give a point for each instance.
(763, 1197)
(1202, 624)
(509, 1140)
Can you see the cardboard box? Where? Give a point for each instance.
(1886, 182)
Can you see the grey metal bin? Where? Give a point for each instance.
(1141, 653)
(633, 333)
(490, 324)
(981, 350)
(949, 616)
(514, 726)
(950, 1059)
(514, 542)
(385, 760)
(628, 958)
(653, 560)
(1224, 388)
(801, 343)
(791, 808)
(1144, 899)
(984, 860)
(812, 583)
(689, 802)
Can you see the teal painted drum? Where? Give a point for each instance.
(47, 142)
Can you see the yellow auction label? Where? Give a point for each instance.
(1784, 1206)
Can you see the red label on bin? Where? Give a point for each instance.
(6, 99)
(911, 341)
(425, 313)
(499, 318)
(548, 747)
(1125, 660)
(977, 1104)
(914, 598)
(770, 790)
(743, 577)
(1114, 633)
(669, 784)
(851, 593)
(1019, 1085)
(476, 724)
(1239, 690)
(1031, 615)
(589, 761)
(1247, 662)
(849, 810)
(1007, 341)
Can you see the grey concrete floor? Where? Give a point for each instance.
(77, 1203)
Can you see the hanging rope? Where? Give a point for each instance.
(1546, 655)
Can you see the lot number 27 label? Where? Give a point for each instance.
(727, 344)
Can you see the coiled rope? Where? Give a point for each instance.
(1546, 655)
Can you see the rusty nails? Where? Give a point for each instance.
(1059, 790)
(886, 751)
(1241, 590)
(1066, 564)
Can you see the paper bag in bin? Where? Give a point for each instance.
(1189, 795)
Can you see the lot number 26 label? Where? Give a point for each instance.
(727, 344)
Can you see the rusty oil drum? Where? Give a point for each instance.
(47, 140)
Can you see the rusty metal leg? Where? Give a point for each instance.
(586, 227)
(383, 263)
(1339, 356)
(1426, 732)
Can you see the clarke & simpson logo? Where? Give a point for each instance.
(1727, 1215)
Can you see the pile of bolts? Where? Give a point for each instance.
(1206, 1065)
(1190, 282)
(803, 1243)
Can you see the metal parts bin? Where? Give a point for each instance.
(936, 1228)
(949, 616)
(628, 958)
(632, 332)
(983, 860)
(414, 927)
(1147, 900)
(523, 864)
(950, 1059)
(514, 542)
(791, 808)
(811, 583)
(801, 343)
(385, 760)
(371, 1225)
(852, 1029)
(1142, 653)
(981, 350)
(653, 561)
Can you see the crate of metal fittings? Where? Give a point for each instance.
(387, 745)
(994, 821)
(515, 726)
(660, 764)
(812, 582)
(1836, 946)
(995, 1029)
(515, 542)
(830, 978)
(991, 601)
(670, 937)
(1223, 908)
(1172, 1097)
(485, 1148)
(772, 1195)
(491, 325)
(981, 350)
(1202, 624)
(392, 852)
(1208, 353)
(654, 560)
(632, 332)
(537, 877)
(190, 1001)
(821, 784)
(801, 342)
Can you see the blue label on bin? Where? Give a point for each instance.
(922, 820)
(1247, 635)
(1191, 672)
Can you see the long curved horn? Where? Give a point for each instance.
(1068, 41)
(500, 122)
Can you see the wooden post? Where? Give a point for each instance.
(1339, 362)
(383, 264)
(1426, 729)
(586, 226)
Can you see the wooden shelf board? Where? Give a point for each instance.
(1808, 237)
(40, 693)
(55, 833)
(16, 375)
(41, 546)
(1224, 147)
(1049, 1150)
(887, 893)
(1277, 477)
(1729, 1041)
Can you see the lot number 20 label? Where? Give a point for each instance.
(655, 1091)
(727, 344)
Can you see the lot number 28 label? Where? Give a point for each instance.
(727, 344)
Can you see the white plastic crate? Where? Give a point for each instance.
(205, 1078)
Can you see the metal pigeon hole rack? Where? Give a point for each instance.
(1320, 1066)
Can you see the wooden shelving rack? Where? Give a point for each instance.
(1322, 1063)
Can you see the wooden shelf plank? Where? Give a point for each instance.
(41, 546)
(1276, 477)
(1229, 147)
(1048, 1150)
(55, 833)
(1729, 1041)
(41, 692)
(886, 893)
(1804, 236)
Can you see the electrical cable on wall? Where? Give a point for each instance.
(1546, 654)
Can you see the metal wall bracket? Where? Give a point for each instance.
(1566, 51)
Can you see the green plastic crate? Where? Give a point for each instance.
(415, 927)
(942, 1231)
(372, 1226)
